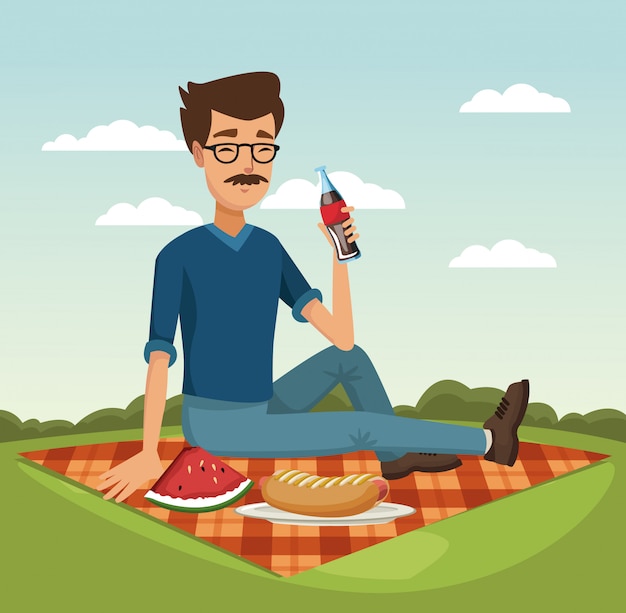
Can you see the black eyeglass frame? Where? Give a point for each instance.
(238, 145)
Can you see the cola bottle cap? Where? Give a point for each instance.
(327, 186)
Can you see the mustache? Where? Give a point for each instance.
(245, 179)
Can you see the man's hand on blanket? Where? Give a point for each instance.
(128, 476)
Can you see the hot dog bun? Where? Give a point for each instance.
(299, 492)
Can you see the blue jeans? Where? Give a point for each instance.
(284, 427)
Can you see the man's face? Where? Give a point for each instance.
(242, 183)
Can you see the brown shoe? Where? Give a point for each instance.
(504, 423)
(421, 462)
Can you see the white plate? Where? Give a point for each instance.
(380, 514)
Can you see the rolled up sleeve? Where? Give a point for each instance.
(166, 294)
(294, 288)
(158, 345)
(301, 302)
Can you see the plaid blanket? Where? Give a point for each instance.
(290, 549)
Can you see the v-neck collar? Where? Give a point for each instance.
(234, 242)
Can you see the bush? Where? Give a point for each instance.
(444, 401)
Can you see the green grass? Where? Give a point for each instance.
(557, 546)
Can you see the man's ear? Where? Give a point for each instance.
(198, 153)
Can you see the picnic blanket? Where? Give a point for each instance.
(290, 549)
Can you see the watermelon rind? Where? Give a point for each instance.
(200, 505)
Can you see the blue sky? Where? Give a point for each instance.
(370, 89)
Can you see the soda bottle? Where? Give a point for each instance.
(331, 204)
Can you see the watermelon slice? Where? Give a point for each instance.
(196, 482)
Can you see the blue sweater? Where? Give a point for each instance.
(225, 290)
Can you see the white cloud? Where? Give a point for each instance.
(520, 98)
(302, 194)
(505, 254)
(151, 212)
(121, 135)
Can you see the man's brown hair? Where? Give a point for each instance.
(244, 96)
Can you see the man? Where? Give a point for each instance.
(223, 281)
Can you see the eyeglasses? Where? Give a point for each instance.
(227, 153)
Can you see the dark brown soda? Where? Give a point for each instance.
(345, 250)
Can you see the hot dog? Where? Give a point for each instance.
(299, 492)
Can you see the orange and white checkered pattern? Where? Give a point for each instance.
(287, 550)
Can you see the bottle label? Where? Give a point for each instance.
(331, 213)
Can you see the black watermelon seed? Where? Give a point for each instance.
(202, 468)
(222, 469)
(180, 487)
